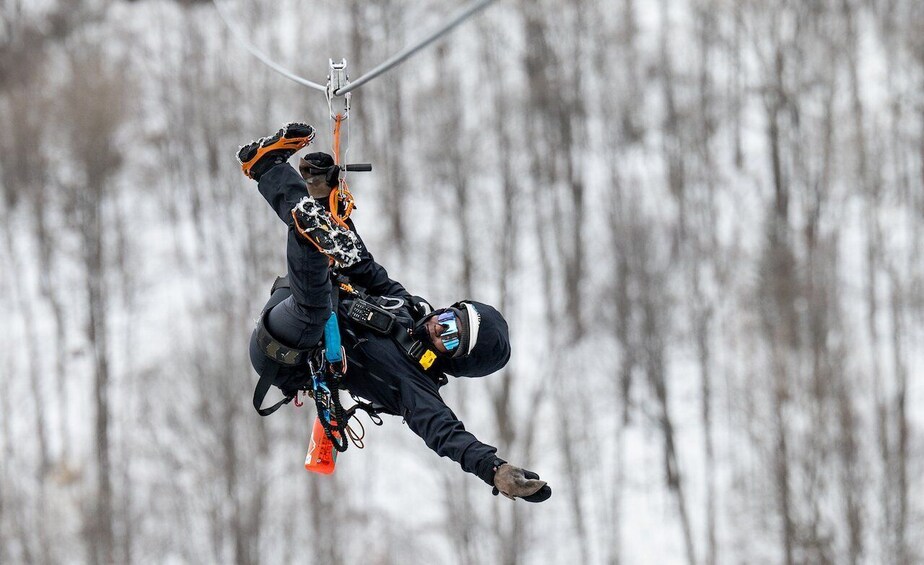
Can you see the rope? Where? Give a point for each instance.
(407, 52)
(239, 35)
(334, 424)
(464, 14)
(338, 120)
(357, 437)
(342, 194)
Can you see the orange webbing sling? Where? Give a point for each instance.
(342, 196)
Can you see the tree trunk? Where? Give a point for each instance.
(654, 339)
(781, 320)
(97, 335)
(903, 553)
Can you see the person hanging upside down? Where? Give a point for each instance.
(399, 368)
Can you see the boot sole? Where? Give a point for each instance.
(290, 138)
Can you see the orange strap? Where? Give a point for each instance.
(342, 194)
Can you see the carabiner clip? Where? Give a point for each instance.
(337, 78)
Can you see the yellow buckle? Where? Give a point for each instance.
(427, 359)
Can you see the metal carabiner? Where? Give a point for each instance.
(337, 78)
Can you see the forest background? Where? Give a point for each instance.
(702, 218)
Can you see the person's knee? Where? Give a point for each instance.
(297, 325)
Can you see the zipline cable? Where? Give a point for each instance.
(402, 56)
(239, 35)
(463, 14)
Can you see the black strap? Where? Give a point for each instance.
(278, 351)
(263, 385)
(280, 282)
(424, 356)
(275, 351)
(414, 348)
(334, 291)
(371, 410)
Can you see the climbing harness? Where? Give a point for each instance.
(324, 369)
(377, 314)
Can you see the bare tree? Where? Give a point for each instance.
(96, 107)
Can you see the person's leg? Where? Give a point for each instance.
(283, 188)
(299, 320)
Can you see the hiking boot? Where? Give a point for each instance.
(314, 223)
(259, 156)
(514, 483)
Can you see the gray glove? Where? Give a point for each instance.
(319, 169)
(514, 482)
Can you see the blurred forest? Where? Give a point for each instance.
(703, 219)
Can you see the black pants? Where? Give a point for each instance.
(297, 321)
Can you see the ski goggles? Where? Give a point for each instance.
(450, 334)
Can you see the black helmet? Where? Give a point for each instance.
(484, 342)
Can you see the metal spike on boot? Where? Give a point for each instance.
(313, 222)
(259, 156)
